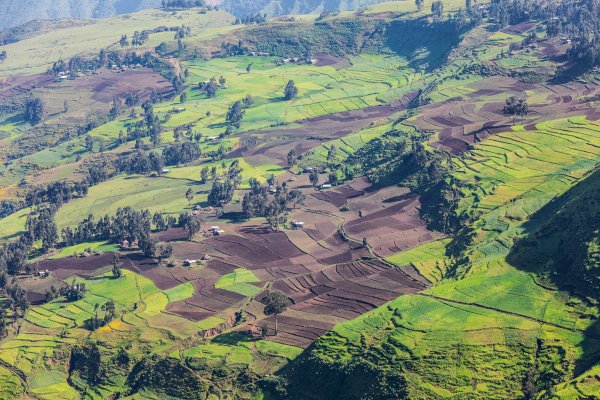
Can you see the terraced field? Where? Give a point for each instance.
(381, 304)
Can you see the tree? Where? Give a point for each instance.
(314, 178)
(183, 98)
(192, 227)
(291, 91)
(275, 303)
(115, 110)
(222, 80)
(235, 114)
(437, 8)
(420, 4)
(516, 107)
(204, 175)
(248, 101)
(331, 154)
(162, 48)
(148, 246)
(275, 213)
(210, 88)
(66, 106)
(292, 156)
(89, 143)
(221, 193)
(124, 42)
(34, 110)
(73, 292)
(249, 68)
(165, 251)
(189, 195)
(116, 269)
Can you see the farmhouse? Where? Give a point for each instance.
(298, 224)
(189, 263)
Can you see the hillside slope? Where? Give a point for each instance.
(242, 8)
(364, 165)
(17, 12)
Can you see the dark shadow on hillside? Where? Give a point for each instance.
(556, 250)
(425, 45)
(570, 73)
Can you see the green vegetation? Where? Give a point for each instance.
(454, 145)
(239, 282)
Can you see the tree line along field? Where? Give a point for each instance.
(380, 299)
(365, 83)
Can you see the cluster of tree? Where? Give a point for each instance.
(181, 153)
(112, 58)
(221, 193)
(3, 324)
(96, 321)
(35, 110)
(437, 8)
(16, 295)
(140, 162)
(237, 110)
(291, 91)
(182, 3)
(234, 49)
(8, 207)
(41, 226)
(182, 32)
(251, 19)
(127, 224)
(162, 223)
(516, 107)
(149, 126)
(73, 292)
(211, 87)
(576, 20)
(139, 38)
(191, 223)
(56, 193)
(3, 55)
(258, 202)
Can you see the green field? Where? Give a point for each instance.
(511, 307)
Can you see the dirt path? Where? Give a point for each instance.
(176, 64)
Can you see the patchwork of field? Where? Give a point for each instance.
(367, 278)
(479, 113)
